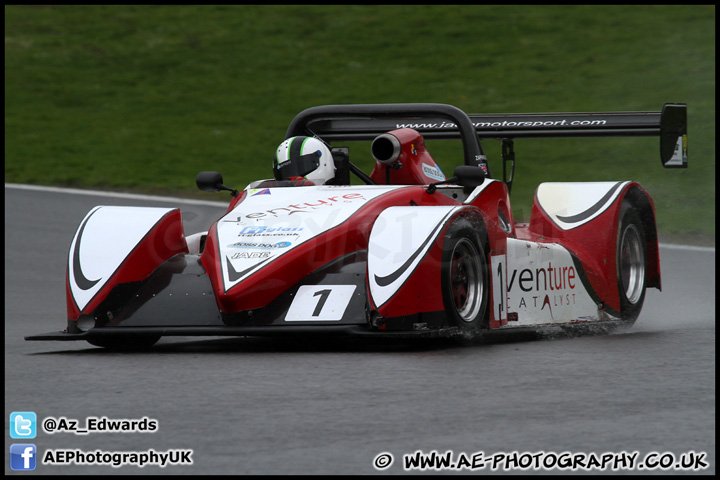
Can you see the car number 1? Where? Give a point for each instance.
(320, 303)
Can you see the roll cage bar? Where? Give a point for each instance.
(365, 122)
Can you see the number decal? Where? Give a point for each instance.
(499, 289)
(324, 294)
(500, 274)
(326, 303)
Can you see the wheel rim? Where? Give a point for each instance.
(466, 280)
(632, 264)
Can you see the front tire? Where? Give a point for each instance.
(631, 263)
(465, 279)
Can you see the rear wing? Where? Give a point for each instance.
(439, 121)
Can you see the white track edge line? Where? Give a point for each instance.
(100, 193)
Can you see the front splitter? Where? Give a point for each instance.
(251, 331)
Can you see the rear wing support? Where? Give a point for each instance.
(508, 155)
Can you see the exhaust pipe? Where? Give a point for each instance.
(386, 148)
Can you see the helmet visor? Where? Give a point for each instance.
(298, 166)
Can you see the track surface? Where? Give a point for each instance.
(266, 406)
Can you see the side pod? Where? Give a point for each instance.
(400, 247)
(118, 245)
(584, 216)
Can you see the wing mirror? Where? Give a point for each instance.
(213, 182)
(464, 175)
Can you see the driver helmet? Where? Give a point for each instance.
(304, 157)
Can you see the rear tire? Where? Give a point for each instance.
(631, 263)
(465, 285)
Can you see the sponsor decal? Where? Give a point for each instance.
(259, 229)
(238, 220)
(260, 246)
(535, 283)
(307, 207)
(236, 256)
(433, 172)
(544, 285)
(268, 227)
(508, 123)
(265, 191)
(546, 302)
(679, 156)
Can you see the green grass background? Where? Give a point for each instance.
(141, 98)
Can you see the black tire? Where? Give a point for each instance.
(465, 279)
(124, 342)
(631, 263)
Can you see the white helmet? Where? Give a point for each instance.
(304, 157)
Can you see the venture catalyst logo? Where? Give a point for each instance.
(543, 287)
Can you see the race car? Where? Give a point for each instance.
(404, 252)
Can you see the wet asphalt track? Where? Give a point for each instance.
(267, 406)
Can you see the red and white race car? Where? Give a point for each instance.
(410, 253)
